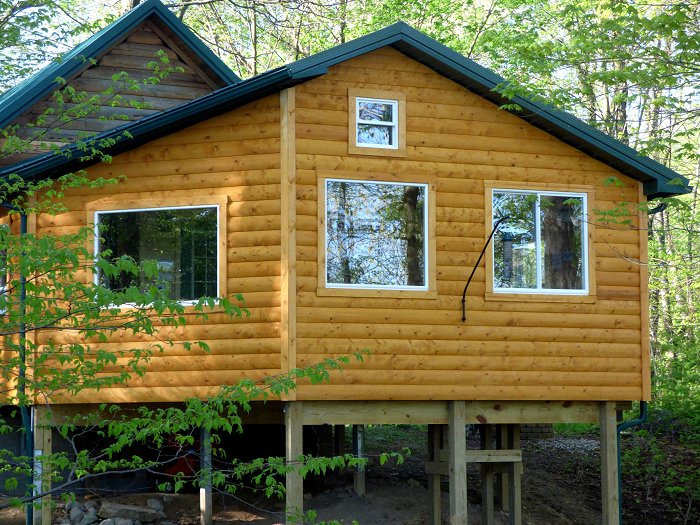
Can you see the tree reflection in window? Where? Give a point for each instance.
(541, 245)
(181, 241)
(375, 234)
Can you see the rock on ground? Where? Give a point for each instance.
(132, 512)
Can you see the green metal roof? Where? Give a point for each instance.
(658, 179)
(24, 95)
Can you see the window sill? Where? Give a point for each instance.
(540, 298)
(363, 292)
(188, 304)
(376, 152)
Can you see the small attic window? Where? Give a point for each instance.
(377, 122)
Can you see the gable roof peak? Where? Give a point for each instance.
(24, 95)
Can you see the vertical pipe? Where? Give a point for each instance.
(28, 443)
(205, 482)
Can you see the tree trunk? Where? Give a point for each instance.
(414, 237)
(561, 255)
(344, 232)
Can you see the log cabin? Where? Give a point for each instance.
(350, 197)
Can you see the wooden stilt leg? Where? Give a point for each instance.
(205, 499)
(294, 449)
(43, 446)
(608, 464)
(487, 510)
(339, 440)
(434, 446)
(514, 503)
(457, 462)
(516, 441)
(503, 442)
(358, 446)
(487, 479)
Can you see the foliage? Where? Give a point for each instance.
(666, 473)
(676, 381)
(33, 33)
(576, 429)
(120, 431)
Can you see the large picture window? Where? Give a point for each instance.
(181, 241)
(540, 245)
(376, 235)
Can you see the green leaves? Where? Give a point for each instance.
(177, 427)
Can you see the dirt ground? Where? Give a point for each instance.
(560, 487)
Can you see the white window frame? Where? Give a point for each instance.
(426, 243)
(96, 241)
(393, 125)
(538, 249)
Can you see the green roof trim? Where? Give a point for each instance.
(24, 95)
(659, 181)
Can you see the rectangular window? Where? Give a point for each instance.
(377, 123)
(182, 241)
(376, 235)
(540, 245)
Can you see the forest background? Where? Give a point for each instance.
(630, 68)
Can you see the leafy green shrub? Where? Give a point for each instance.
(663, 473)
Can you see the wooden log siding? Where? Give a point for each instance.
(235, 155)
(507, 349)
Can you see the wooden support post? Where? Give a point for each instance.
(514, 502)
(358, 447)
(487, 478)
(43, 447)
(435, 494)
(507, 437)
(503, 442)
(339, 440)
(205, 499)
(293, 449)
(456, 421)
(608, 464)
(487, 510)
